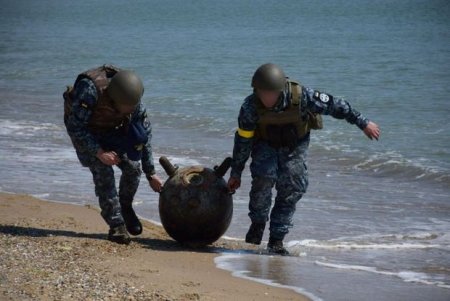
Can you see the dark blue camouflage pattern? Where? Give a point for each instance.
(105, 188)
(284, 168)
(87, 145)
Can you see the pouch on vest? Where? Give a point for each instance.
(315, 121)
(136, 139)
(274, 136)
(289, 136)
(282, 136)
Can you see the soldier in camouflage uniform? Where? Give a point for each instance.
(274, 128)
(108, 125)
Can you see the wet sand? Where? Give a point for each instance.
(56, 251)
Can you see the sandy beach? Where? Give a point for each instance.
(56, 251)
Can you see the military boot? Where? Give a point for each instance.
(119, 235)
(275, 246)
(132, 222)
(255, 233)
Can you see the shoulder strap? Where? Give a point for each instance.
(100, 76)
(295, 89)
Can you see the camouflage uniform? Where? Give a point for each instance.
(283, 167)
(87, 144)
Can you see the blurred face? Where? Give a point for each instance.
(268, 98)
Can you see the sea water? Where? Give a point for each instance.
(375, 222)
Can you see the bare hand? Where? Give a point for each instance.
(155, 183)
(233, 184)
(372, 130)
(108, 158)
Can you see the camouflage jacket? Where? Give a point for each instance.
(87, 143)
(311, 100)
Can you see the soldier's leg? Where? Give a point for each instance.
(129, 180)
(260, 199)
(264, 170)
(129, 183)
(105, 189)
(291, 185)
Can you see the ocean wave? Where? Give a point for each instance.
(26, 128)
(386, 164)
(393, 236)
(47, 155)
(392, 163)
(311, 243)
(407, 276)
(416, 240)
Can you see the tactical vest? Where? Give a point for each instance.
(104, 116)
(282, 128)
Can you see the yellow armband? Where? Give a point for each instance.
(245, 134)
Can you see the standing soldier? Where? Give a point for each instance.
(108, 125)
(274, 127)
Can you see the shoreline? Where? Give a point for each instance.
(54, 250)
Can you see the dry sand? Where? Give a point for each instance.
(55, 251)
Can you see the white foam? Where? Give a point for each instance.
(41, 195)
(25, 128)
(312, 243)
(433, 238)
(394, 161)
(181, 161)
(48, 154)
(222, 262)
(232, 238)
(426, 235)
(407, 276)
(45, 197)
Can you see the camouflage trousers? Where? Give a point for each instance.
(286, 170)
(105, 188)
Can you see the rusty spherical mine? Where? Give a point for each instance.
(195, 206)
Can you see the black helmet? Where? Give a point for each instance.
(269, 77)
(126, 88)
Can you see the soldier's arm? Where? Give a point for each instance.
(243, 138)
(148, 165)
(325, 104)
(84, 99)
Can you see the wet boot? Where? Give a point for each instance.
(255, 233)
(119, 235)
(132, 222)
(275, 246)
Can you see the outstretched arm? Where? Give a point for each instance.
(326, 104)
